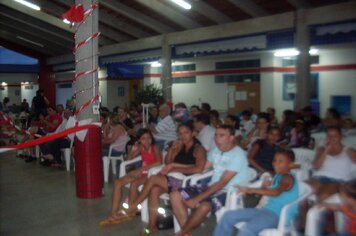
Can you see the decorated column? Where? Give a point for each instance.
(88, 160)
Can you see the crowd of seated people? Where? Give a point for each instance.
(198, 139)
(259, 143)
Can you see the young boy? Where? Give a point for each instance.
(284, 190)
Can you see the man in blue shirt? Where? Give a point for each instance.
(230, 166)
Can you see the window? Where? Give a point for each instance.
(290, 86)
(342, 104)
(237, 78)
(67, 85)
(237, 64)
(188, 67)
(314, 60)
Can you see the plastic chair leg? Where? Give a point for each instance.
(106, 163)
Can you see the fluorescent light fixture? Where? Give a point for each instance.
(156, 64)
(313, 51)
(286, 53)
(292, 52)
(3, 83)
(66, 21)
(30, 41)
(182, 4)
(29, 4)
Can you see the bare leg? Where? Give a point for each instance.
(153, 204)
(133, 193)
(327, 190)
(156, 180)
(179, 209)
(117, 192)
(195, 219)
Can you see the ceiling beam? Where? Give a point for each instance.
(112, 34)
(103, 40)
(12, 38)
(210, 12)
(28, 21)
(136, 16)
(299, 4)
(320, 15)
(19, 33)
(19, 28)
(170, 13)
(37, 14)
(121, 25)
(250, 7)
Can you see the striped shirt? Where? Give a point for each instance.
(166, 129)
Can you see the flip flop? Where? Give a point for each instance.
(114, 221)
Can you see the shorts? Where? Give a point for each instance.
(327, 180)
(217, 200)
(174, 184)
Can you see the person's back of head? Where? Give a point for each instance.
(203, 118)
(205, 107)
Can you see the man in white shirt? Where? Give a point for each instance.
(205, 131)
(166, 129)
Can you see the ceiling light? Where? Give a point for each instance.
(183, 4)
(156, 64)
(286, 53)
(66, 21)
(29, 4)
(30, 41)
(292, 52)
(3, 83)
(313, 51)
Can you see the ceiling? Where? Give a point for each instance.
(126, 20)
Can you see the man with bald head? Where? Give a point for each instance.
(166, 129)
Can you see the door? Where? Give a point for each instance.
(242, 96)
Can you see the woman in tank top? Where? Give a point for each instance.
(114, 134)
(333, 165)
(186, 156)
(151, 156)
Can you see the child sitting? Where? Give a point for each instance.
(283, 191)
(151, 156)
(347, 207)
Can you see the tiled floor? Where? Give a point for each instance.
(37, 200)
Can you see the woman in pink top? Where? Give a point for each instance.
(151, 156)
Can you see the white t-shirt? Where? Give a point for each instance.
(206, 137)
(166, 129)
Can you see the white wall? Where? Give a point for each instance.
(14, 90)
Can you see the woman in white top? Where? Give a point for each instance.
(114, 134)
(333, 165)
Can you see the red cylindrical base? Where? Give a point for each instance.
(89, 165)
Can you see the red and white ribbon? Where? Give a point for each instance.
(88, 103)
(81, 43)
(50, 137)
(76, 75)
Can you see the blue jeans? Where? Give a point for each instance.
(256, 221)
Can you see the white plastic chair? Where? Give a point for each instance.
(67, 154)
(106, 163)
(304, 157)
(315, 218)
(319, 139)
(283, 228)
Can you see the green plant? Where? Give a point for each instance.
(149, 94)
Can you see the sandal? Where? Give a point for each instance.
(117, 219)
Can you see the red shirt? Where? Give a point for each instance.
(51, 119)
